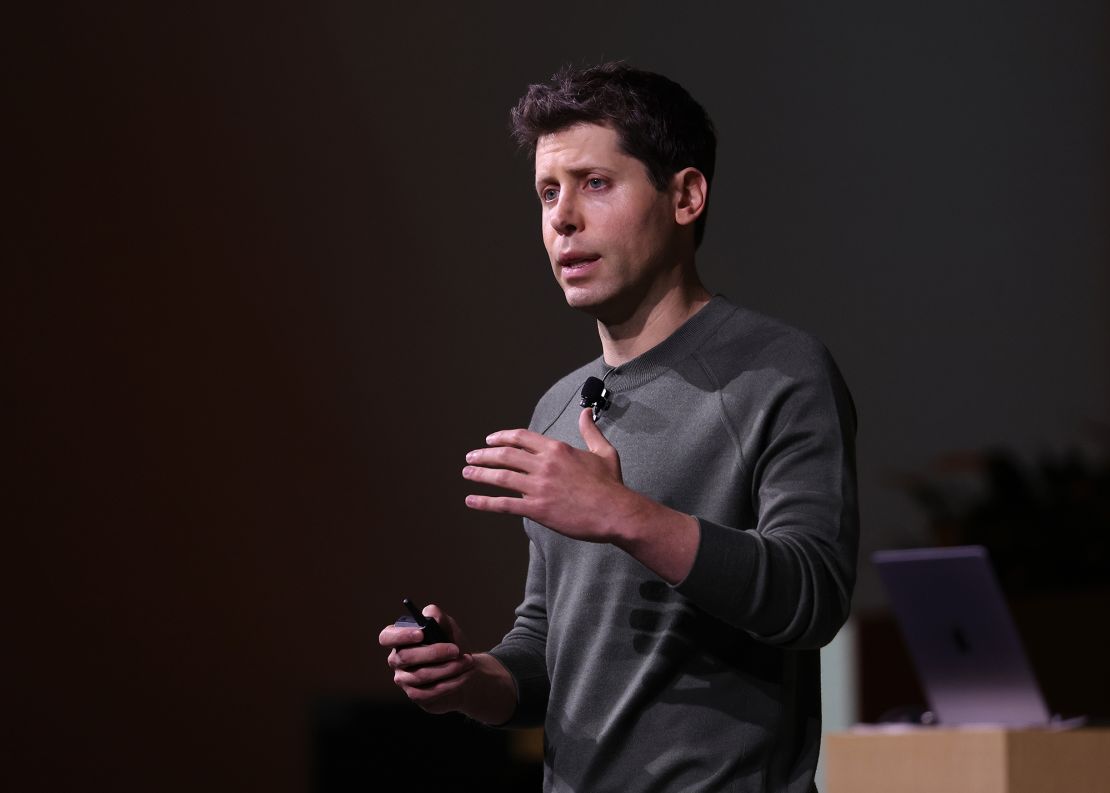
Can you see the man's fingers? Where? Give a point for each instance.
(433, 611)
(504, 504)
(423, 655)
(522, 439)
(392, 636)
(449, 626)
(439, 697)
(595, 441)
(502, 457)
(498, 477)
(428, 675)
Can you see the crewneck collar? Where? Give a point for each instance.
(664, 355)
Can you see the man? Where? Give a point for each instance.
(691, 550)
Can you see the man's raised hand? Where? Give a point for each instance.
(578, 493)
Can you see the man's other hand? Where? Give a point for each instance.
(432, 676)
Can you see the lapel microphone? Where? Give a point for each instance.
(595, 395)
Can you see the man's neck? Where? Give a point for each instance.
(653, 321)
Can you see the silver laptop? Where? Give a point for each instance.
(961, 636)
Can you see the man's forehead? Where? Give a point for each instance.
(578, 144)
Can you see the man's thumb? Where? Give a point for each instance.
(595, 441)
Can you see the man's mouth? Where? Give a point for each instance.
(576, 261)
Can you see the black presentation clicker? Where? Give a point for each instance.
(433, 634)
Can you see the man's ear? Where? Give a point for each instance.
(691, 191)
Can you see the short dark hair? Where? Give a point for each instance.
(656, 119)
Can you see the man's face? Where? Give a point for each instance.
(610, 234)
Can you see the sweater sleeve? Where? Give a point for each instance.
(523, 651)
(788, 581)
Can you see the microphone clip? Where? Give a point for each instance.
(595, 395)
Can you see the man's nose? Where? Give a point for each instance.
(565, 217)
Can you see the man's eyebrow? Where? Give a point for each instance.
(577, 171)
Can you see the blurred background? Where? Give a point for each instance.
(272, 269)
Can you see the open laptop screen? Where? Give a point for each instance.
(961, 636)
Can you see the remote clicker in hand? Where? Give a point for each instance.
(433, 633)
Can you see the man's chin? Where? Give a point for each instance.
(582, 299)
(606, 309)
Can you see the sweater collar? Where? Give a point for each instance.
(664, 355)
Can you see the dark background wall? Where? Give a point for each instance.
(273, 269)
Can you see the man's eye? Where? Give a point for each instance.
(549, 194)
(596, 183)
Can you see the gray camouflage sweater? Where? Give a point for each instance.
(713, 684)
